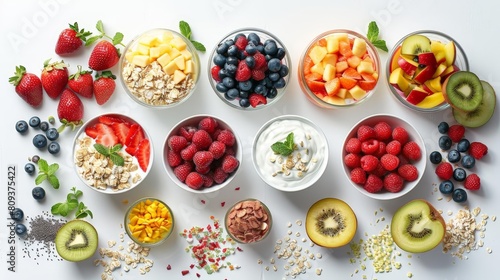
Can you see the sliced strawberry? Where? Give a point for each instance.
(121, 130)
(91, 131)
(131, 150)
(109, 120)
(256, 99)
(134, 136)
(143, 154)
(105, 135)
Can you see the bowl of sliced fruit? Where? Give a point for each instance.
(418, 66)
(339, 69)
(112, 153)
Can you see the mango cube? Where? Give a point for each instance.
(170, 68)
(164, 59)
(318, 68)
(332, 44)
(187, 54)
(189, 67)
(357, 92)
(329, 72)
(149, 41)
(178, 43)
(178, 76)
(166, 37)
(365, 67)
(180, 62)
(359, 47)
(174, 52)
(142, 49)
(317, 54)
(141, 60)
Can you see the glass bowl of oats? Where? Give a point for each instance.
(112, 153)
(290, 153)
(159, 68)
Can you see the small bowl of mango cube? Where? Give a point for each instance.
(159, 68)
(149, 222)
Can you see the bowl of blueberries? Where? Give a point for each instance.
(249, 69)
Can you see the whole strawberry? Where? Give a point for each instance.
(82, 82)
(70, 110)
(54, 78)
(104, 56)
(71, 39)
(104, 86)
(28, 86)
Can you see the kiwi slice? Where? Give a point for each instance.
(76, 241)
(463, 91)
(483, 113)
(416, 44)
(331, 223)
(417, 227)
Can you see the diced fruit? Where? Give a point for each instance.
(416, 44)
(416, 95)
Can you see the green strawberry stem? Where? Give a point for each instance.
(65, 123)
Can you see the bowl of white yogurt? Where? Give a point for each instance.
(290, 153)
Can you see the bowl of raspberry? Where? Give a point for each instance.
(384, 156)
(249, 69)
(201, 154)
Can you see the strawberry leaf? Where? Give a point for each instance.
(99, 26)
(117, 39)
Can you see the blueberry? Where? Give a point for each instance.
(245, 86)
(222, 48)
(272, 93)
(232, 60)
(435, 157)
(270, 48)
(220, 87)
(445, 142)
(238, 36)
(280, 83)
(244, 102)
(274, 76)
(52, 134)
(17, 214)
(443, 127)
(463, 145)
(250, 61)
(35, 158)
(21, 229)
(243, 94)
(232, 50)
(261, 89)
(38, 193)
(268, 57)
(241, 55)
(454, 156)
(44, 126)
(219, 60)
(459, 195)
(229, 42)
(274, 65)
(250, 48)
(40, 141)
(229, 82)
(21, 126)
(260, 48)
(29, 168)
(54, 148)
(280, 54)
(230, 69)
(267, 82)
(459, 174)
(34, 121)
(468, 161)
(232, 94)
(254, 38)
(446, 187)
(284, 70)
(223, 73)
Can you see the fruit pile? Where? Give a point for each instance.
(202, 155)
(249, 70)
(149, 221)
(339, 69)
(381, 157)
(40, 140)
(460, 160)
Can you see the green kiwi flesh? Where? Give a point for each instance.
(483, 113)
(76, 241)
(416, 44)
(463, 91)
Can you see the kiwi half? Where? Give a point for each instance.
(331, 223)
(483, 113)
(463, 91)
(76, 241)
(417, 227)
(416, 44)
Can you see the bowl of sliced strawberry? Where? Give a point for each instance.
(202, 154)
(112, 153)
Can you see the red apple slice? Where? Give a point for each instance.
(425, 74)
(427, 59)
(408, 68)
(416, 95)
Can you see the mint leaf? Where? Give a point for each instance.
(43, 166)
(185, 29)
(372, 35)
(52, 169)
(55, 209)
(40, 178)
(102, 149)
(53, 181)
(199, 46)
(289, 141)
(380, 44)
(47, 172)
(117, 159)
(281, 149)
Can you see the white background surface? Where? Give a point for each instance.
(38, 24)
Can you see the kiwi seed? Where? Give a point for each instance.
(330, 223)
(412, 220)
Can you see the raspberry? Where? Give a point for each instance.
(215, 73)
(202, 139)
(399, 133)
(182, 171)
(230, 151)
(411, 151)
(472, 182)
(187, 132)
(456, 132)
(194, 180)
(217, 149)
(353, 145)
(477, 150)
(243, 72)
(380, 171)
(229, 164)
(381, 149)
(203, 170)
(383, 131)
(373, 184)
(358, 175)
(187, 153)
(219, 175)
(173, 158)
(226, 137)
(365, 132)
(369, 162)
(260, 60)
(256, 99)
(370, 146)
(177, 143)
(389, 162)
(241, 42)
(444, 170)
(352, 160)
(207, 181)
(203, 159)
(408, 172)
(258, 74)
(393, 182)
(393, 147)
(208, 124)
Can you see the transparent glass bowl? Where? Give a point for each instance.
(313, 86)
(460, 61)
(159, 92)
(248, 221)
(263, 35)
(158, 235)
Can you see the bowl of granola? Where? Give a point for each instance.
(112, 153)
(248, 221)
(159, 68)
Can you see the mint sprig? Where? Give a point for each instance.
(284, 148)
(185, 30)
(47, 172)
(111, 153)
(372, 35)
(72, 203)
